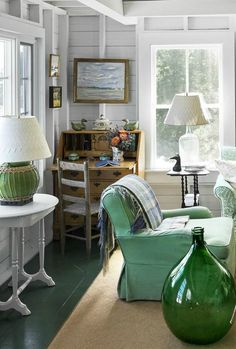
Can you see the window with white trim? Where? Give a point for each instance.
(187, 69)
(6, 76)
(148, 43)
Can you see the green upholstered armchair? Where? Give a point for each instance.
(150, 254)
(224, 191)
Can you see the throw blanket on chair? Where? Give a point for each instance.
(148, 213)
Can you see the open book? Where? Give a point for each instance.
(173, 223)
(107, 163)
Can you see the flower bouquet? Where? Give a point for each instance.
(122, 139)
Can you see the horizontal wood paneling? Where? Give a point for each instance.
(84, 43)
(113, 26)
(87, 39)
(128, 52)
(83, 52)
(121, 39)
(84, 24)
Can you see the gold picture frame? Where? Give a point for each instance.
(55, 96)
(100, 80)
(54, 66)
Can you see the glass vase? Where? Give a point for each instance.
(117, 154)
(199, 296)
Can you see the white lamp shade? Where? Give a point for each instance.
(21, 139)
(187, 110)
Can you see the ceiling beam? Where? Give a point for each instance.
(74, 4)
(179, 8)
(110, 8)
(81, 11)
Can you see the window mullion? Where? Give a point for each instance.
(187, 70)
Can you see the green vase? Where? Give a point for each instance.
(18, 183)
(199, 295)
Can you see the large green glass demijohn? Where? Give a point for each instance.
(199, 295)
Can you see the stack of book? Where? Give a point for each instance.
(189, 199)
(177, 222)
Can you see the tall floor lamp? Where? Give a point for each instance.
(188, 110)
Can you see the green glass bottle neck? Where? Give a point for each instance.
(198, 236)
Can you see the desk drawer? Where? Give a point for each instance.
(110, 175)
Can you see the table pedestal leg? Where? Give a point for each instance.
(195, 189)
(182, 191)
(41, 274)
(14, 301)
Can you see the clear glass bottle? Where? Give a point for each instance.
(199, 295)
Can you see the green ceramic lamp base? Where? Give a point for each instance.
(18, 183)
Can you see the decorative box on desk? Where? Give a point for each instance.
(91, 144)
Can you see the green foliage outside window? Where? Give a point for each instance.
(192, 70)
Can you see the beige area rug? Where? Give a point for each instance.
(102, 321)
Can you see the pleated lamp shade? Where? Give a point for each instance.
(21, 139)
(187, 110)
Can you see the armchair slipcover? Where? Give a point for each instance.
(224, 191)
(150, 254)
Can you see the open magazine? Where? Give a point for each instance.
(173, 223)
(107, 163)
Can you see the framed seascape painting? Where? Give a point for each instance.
(100, 80)
(55, 96)
(54, 66)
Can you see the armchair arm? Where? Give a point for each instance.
(227, 196)
(194, 212)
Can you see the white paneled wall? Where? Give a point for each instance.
(120, 43)
(4, 6)
(83, 43)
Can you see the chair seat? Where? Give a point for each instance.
(79, 208)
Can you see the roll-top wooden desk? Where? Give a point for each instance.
(91, 144)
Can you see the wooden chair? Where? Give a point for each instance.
(75, 204)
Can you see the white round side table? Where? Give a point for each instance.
(17, 218)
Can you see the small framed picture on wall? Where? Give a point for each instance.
(55, 96)
(54, 66)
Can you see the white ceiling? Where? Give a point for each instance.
(127, 11)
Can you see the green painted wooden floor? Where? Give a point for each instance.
(50, 306)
